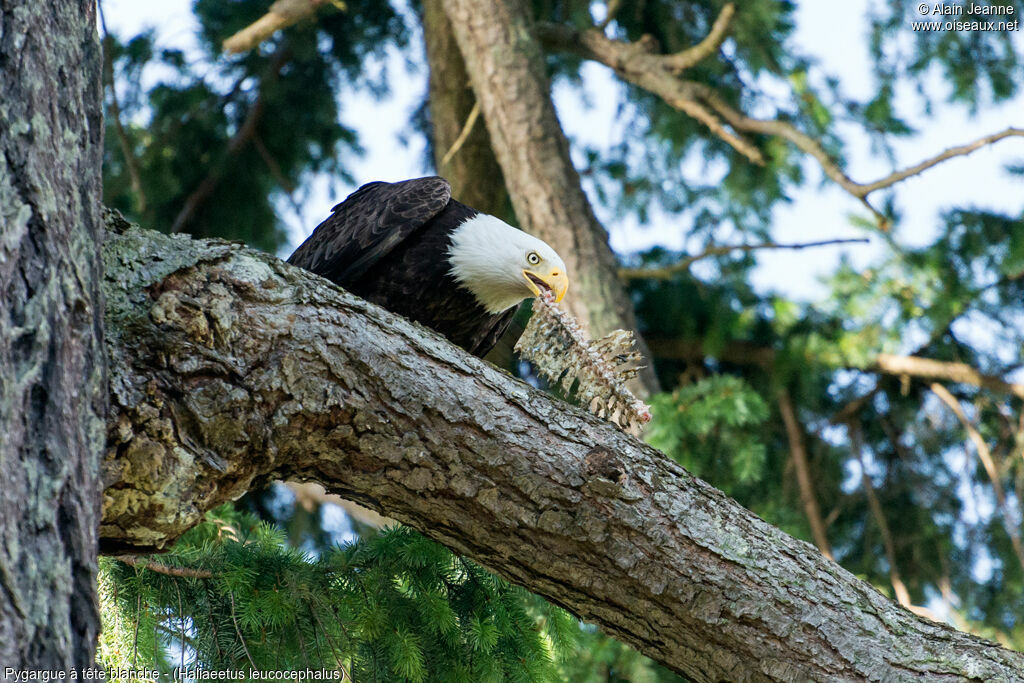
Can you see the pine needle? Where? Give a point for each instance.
(595, 372)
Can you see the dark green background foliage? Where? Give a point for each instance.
(237, 138)
(191, 139)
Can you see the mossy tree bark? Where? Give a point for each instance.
(52, 382)
(230, 368)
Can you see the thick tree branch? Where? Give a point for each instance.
(230, 369)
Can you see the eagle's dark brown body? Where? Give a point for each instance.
(388, 243)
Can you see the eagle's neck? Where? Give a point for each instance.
(483, 261)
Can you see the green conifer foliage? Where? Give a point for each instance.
(713, 423)
(392, 607)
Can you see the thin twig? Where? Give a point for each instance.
(184, 572)
(241, 138)
(787, 131)
(798, 451)
(899, 588)
(857, 445)
(958, 151)
(853, 406)
(689, 57)
(988, 462)
(467, 128)
(634, 62)
(613, 7)
(807, 144)
(275, 170)
(115, 110)
(667, 272)
(272, 165)
(330, 641)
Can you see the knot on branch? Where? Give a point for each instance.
(601, 462)
(648, 44)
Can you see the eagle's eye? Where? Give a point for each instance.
(533, 258)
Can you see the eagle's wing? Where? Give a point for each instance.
(368, 225)
(499, 324)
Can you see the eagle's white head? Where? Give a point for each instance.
(502, 265)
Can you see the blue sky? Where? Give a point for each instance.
(832, 33)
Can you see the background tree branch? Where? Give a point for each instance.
(798, 452)
(280, 15)
(247, 131)
(690, 57)
(666, 272)
(639, 64)
(1010, 520)
(230, 368)
(741, 353)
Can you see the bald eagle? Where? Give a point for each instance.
(414, 250)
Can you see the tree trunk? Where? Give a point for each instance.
(52, 361)
(507, 71)
(230, 368)
(472, 170)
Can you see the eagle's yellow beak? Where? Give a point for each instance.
(556, 280)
